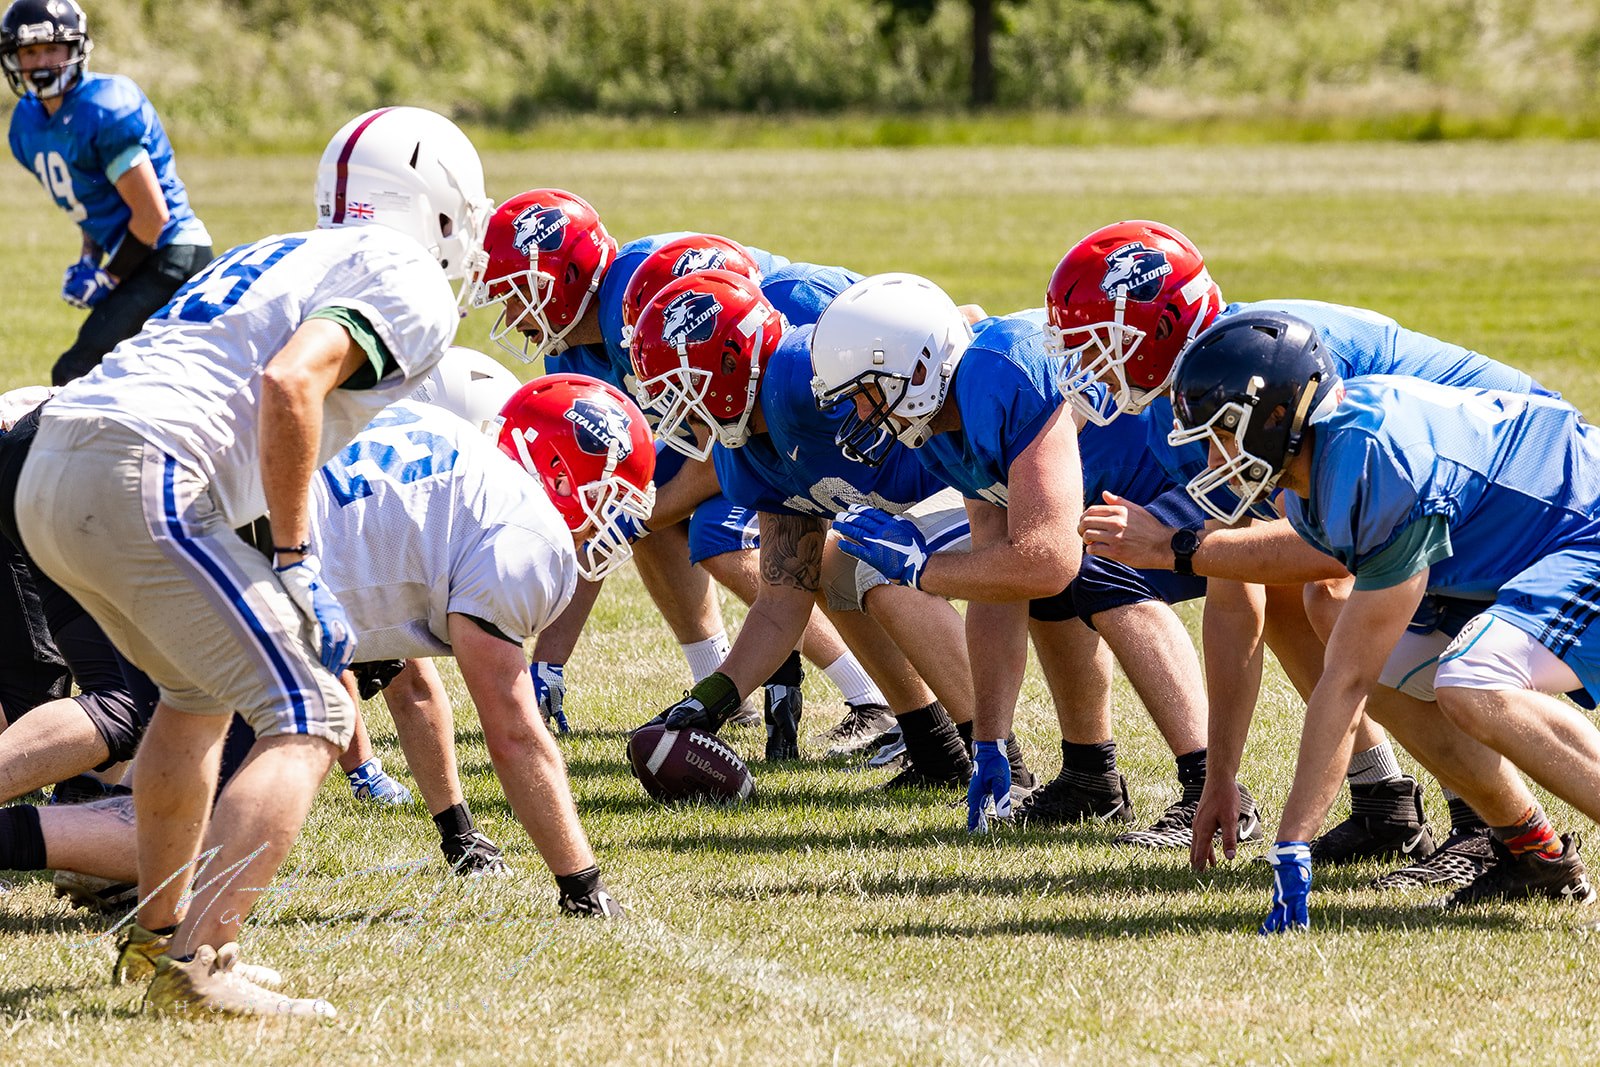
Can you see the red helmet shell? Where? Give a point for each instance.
(678, 257)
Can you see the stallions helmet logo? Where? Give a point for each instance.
(697, 259)
(1135, 271)
(689, 319)
(601, 429)
(537, 225)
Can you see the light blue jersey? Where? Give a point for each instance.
(104, 128)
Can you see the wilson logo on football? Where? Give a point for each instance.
(541, 226)
(689, 319)
(600, 429)
(697, 259)
(1135, 271)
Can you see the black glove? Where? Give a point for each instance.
(373, 676)
(707, 706)
(584, 893)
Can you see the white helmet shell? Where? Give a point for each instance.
(471, 384)
(410, 170)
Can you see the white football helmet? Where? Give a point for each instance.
(469, 383)
(411, 170)
(895, 339)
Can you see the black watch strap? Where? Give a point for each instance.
(1184, 545)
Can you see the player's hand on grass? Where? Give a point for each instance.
(1218, 812)
(302, 580)
(892, 546)
(707, 706)
(1127, 533)
(550, 689)
(84, 285)
(1291, 886)
(989, 789)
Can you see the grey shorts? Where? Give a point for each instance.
(138, 540)
(942, 518)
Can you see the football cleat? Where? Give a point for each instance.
(888, 748)
(784, 705)
(104, 895)
(473, 855)
(1462, 858)
(1072, 797)
(1175, 827)
(140, 950)
(1528, 875)
(212, 984)
(861, 726)
(84, 789)
(910, 777)
(1385, 820)
(370, 782)
(749, 713)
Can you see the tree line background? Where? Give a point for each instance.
(284, 70)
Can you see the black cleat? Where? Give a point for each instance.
(911, 777)
(860, 728)
(1175, 827)
(1528, 875)
(1072, 797)
(783, 707)
(1385, 821)
(472, 855)
(1463, 857)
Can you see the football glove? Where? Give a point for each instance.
(707, 706)
(584, 893)
(84, 285)
(893, 547)
(318, 606)
(1291, 885)
(550, 686)
(990, 786)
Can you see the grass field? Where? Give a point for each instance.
(826, 924)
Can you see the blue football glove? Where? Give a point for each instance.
(892, 546)
(990, 784)
(85, 284)
(1291, 885)
(318, 606)
(550, 686)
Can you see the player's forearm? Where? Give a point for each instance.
(1005, 571)
(1231, 636)
(692, 486)
(997, 646)
(1331, 720)
(141, 191)
(1268, 552)
(291, 433)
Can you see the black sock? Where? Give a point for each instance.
(934, 743)
(790, 673)
(1463, 818)
(965, 730)
(1020, 774)
(21, 840)
(579, 884)
(1192, 773)
(1098, 758)
(454, 821)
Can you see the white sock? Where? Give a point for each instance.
(1376, 764)
(706, 656)
(846, 673)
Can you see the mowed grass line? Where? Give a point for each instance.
(825, 923)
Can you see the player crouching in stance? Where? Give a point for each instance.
(1422, 489)
(222, 409)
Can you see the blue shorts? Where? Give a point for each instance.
(718, 526)
(1554, 601)
(1103, 584)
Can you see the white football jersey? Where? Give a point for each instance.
(190, 382)
(420, 516)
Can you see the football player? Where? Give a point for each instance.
(97, 147)
(561, 282)
(255, 374)
(1420, 489)
(1123, 303)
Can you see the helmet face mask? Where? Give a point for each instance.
(1247, 476)
(42, 22)
(1092, 368)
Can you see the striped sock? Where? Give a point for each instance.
(1531, 833)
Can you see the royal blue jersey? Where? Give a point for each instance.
(104, 128)
(1005, 387)
(1364, 342)
(801, 290)
(1481, 483)
(608, 360)
(796, 467)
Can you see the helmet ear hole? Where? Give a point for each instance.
(447, 225)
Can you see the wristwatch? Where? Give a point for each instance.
(1184, 544)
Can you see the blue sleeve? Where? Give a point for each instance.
(800, 291)
(1367, 494)
(122, 126)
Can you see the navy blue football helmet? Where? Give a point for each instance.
(31, 22)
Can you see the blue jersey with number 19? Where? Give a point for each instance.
(104, 128)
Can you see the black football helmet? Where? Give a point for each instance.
(1258, 376)
(28, 22)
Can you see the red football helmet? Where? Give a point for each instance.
(685, 255)
(590, 448)
(1123, 304)
(698, 352)
(546, 254)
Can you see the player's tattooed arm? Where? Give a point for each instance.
(791, 551)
